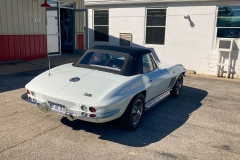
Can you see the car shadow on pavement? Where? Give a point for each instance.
(158, 122)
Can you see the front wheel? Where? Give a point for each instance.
(132, 117)
(177, 87)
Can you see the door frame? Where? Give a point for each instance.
(85, 30)
(59, 25)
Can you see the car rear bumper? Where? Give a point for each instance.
(79, 115)
(97, 119)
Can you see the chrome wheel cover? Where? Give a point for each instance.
(137, 111)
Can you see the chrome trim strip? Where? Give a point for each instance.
(156, 100)
(44, 107)
(73, 116)
(30, 101)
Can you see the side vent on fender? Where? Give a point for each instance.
(172, 82)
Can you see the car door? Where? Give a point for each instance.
(157, 77)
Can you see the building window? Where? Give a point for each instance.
(155, 26)
(228, 22)
(101, 25)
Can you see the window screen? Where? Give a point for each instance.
(101, 25)
(155, 26)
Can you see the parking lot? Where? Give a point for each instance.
(202, 123)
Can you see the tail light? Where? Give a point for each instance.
(92, 109)
(84, 108)
(33, 93)
(84, 114)
(28, 92)
(92, 115)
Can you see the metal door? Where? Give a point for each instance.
(80, 30)
(53, 29)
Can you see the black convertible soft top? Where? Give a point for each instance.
(133, 59)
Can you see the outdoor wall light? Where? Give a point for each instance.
(45, 4)
(187, 16)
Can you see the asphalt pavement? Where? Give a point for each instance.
(14, 67)
(202, 123)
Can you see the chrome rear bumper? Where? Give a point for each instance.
(79, 115)
(44, 107)
(97, 119)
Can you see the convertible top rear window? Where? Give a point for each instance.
(103, 60)
(126, 61)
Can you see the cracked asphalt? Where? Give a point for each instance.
(202, 123)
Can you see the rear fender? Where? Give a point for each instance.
(127, 90)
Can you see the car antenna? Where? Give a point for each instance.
(49, 74)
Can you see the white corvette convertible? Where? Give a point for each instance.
(107, 83)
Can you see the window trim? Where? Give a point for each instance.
(99, 25)
(216, 19)
(153, 62)
(145, 27)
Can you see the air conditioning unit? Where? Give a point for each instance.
(225, 44)
(125, 39)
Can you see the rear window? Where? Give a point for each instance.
(103, 60)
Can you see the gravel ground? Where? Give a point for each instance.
(202, 123)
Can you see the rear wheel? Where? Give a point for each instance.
(177, 87)
(132, 117)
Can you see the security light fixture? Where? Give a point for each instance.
(45, 4)
(187, 16)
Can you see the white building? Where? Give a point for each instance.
(177, 31)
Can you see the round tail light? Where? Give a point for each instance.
(33, 93)
(84, 108)
(92, 109)
(92, 115)
(84, 114)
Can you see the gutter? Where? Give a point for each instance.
(118, 2)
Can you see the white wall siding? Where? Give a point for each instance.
(189, 44)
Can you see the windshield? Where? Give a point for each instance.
(104, 60)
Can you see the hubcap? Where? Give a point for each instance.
(179, 85)
(137, 111)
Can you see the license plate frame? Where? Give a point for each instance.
(58, 108)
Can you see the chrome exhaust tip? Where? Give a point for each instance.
(69, 116)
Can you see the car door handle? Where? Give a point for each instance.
(151, 80)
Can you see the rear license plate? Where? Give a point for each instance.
(58, 108)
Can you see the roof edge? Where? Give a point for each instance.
(109, 2)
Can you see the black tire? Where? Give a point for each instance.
(130, 120)
(177, 87)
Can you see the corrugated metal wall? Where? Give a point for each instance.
(16, 17)
(20, 37)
